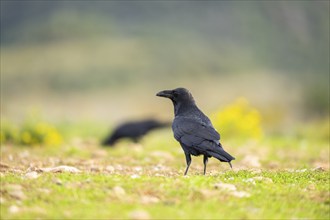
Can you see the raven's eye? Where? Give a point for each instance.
(175, 94)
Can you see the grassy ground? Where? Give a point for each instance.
(82, 67)
(274, 178)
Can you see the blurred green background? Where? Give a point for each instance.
(104, 61)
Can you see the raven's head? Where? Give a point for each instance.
(179, 96)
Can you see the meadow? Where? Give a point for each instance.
(273, 176)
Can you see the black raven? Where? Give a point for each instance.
(194, 130)
(133, 130)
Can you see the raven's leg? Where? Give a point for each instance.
(188, 160)
(205, 160)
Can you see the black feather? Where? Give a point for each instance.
(193, 129)
(133, 130)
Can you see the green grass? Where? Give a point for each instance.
(91, 195)
(279, 177)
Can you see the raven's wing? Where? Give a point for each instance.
(200, 138)
(192, 132)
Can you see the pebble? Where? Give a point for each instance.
(225, 186)
(13, 209)
(60, 169)
(139, 215)
(135, 176)
(110, 168)
(16, 192)
(32, 175)
(318, 169)
(149, 199)
(240, 194)
(119, 191)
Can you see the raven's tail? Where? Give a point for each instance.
(221, 155)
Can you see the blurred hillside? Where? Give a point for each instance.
(105, 60)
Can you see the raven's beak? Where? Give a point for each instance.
(165, 93)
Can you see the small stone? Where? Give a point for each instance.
(225, 186)
(250, 180)
(319, 169)
(44, 190)
(159, 167)
(32, 175)
(138, 169)
(57, 181)
(149, 199)
(119, 167)
(30, 169)
(119, 191)
(240, 194)
(2, 200)
(16, 192)
(139, 215)
(95, 169)
(110, 169)
(301, 171)
(17, 195)
(60, 169)
(13, 209)
(135, 176)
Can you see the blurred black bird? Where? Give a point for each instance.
(133, 130)
(194, 130)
